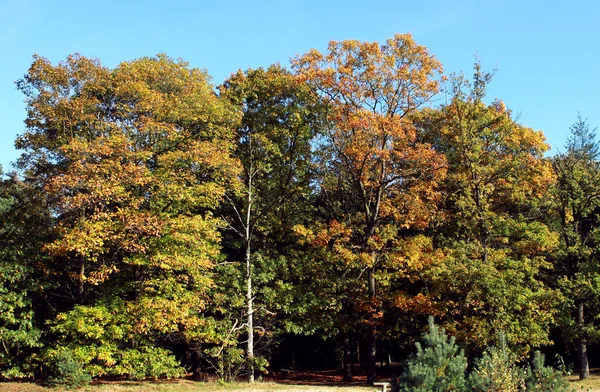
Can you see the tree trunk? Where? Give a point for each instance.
(195, 363)
(249, 300)
(250, 319)
(372, 338)
(584, 367)
(347, 357)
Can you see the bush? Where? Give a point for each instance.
(147, 362)
(67, 372)
(545, 378)
(438, 365)
(101, 340)
(497, 371)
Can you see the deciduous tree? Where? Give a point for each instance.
(491, 233)
(376, 173)
(133, 160)
(275, 153)
(24, 224)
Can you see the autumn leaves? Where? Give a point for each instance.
(331, 197)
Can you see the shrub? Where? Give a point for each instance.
(67, 372)
(438, 365)
(227, 362)
(545, 378)
(101, 340)
(497, 371)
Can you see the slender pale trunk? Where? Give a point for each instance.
(249, 300)
(584, 367)
(250, 320)
(372, 338)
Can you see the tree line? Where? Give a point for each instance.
(158, 225)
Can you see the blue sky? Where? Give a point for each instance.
(546, 52)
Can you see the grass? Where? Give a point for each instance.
(187, 386)
(591, 384)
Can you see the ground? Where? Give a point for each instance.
(592, 384)
(189, 386)
(280, 382)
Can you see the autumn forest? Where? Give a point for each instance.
(321, 215)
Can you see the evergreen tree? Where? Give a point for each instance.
(576, 202)
(439, 365)
(542, 378)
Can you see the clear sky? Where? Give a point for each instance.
(546, 52)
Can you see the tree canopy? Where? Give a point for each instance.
(159, 226)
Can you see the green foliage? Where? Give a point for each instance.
(497, 371)
(227, 362)
(149, 362)
(501, 294)
(134, 160)
(491, 236)
(544, 378)
(105, 341)
(576, 207)
(439, 365)
(66, 371)
(18, 335)
(355, 213)
(23, 224)
(275, 153)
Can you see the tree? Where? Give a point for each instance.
(373, 169)
(490, 231)
(275, 153)
(576, 200)
(439, 365)
(328, 294)
(133, 162)
(24, 223)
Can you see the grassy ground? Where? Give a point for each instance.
(591, 385)
(189, 386)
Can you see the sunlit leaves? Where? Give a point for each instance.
(23, 228)
(491, 233)
(104, 340)
(274, 149)
(134, 161)
(374, 174)
(358, 207)
(370, 154)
